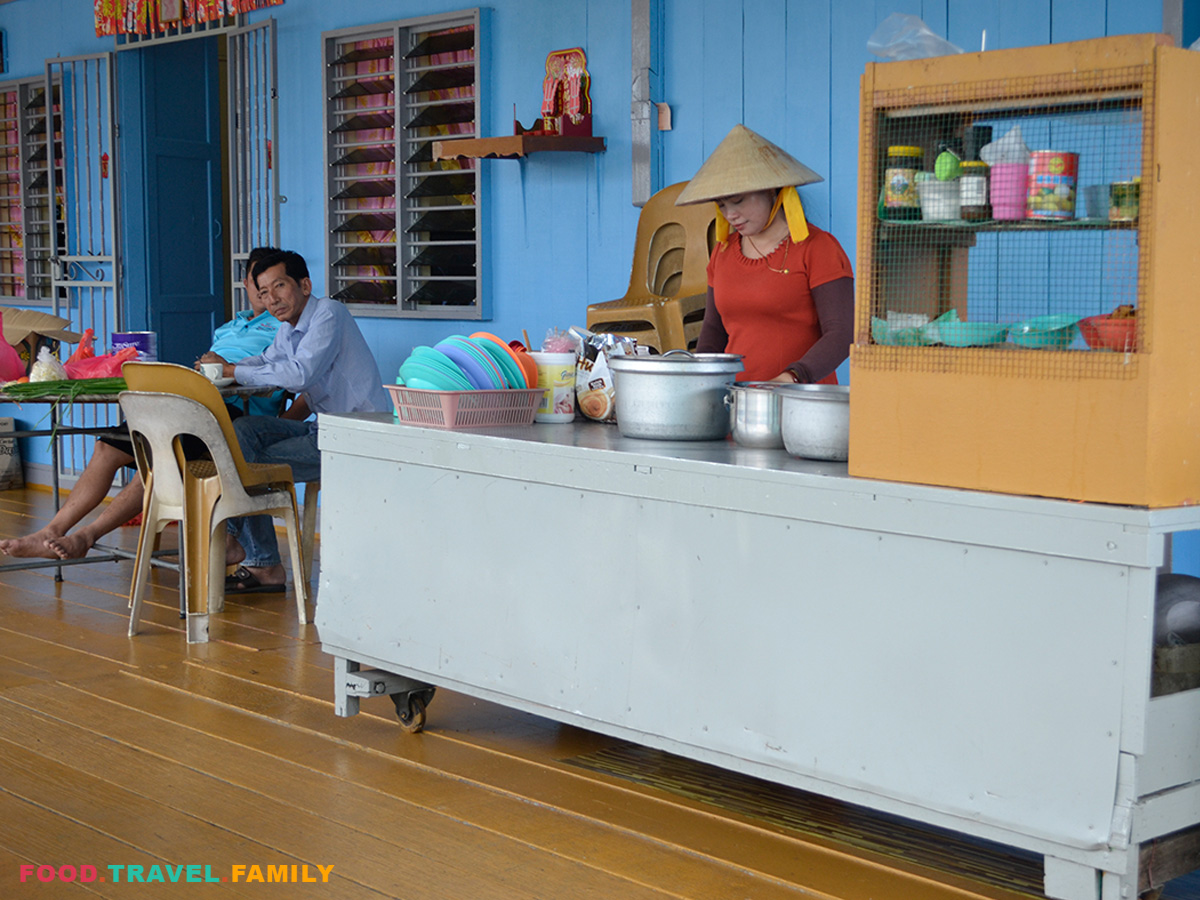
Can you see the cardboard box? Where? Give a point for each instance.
(28, 331)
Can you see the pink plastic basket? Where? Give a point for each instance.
(464, 409)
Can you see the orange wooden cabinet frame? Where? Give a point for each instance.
(1108, 427)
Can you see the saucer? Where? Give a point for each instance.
(221, 382)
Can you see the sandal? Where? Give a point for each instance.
(243, 581)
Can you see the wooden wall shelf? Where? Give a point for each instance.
(517, 145)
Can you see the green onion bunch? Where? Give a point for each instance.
(67, 389)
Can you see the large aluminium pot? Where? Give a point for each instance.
(679, 396)
(816, 420)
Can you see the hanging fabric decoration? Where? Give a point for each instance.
(142, 16)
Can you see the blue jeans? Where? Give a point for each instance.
(266, 439)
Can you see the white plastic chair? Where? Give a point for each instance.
(215, 490)
(162, 501)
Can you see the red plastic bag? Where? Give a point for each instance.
(86, 348)
(11, 367)
(106, 366)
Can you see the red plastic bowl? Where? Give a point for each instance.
(1107, 333)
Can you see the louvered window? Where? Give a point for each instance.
(404, 231)
(27, 188)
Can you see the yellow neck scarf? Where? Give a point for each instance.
(793, 212)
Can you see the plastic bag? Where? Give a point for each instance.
(106, 366)
(595, 389)
(11, 367)
(47, 367)
(560, 342)
(85, 350)
(901, 36)
(1011, 148)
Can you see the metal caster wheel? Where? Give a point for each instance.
(410, 709)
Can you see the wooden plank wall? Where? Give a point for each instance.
(561, 226)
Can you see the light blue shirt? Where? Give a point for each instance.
(244, 335)
(249, 335)
(325, 357)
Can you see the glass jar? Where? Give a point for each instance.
(973, 188)
(900, 200)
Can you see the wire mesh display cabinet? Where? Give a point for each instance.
(404, 229)
(1026, 313)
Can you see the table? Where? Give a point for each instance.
(972, 661)
(57, 431)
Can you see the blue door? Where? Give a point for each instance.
(174, 267)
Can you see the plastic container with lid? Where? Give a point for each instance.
(973, 190)
(900, 199)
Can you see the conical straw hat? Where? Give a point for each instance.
(742, 163)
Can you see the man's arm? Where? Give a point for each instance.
(294, 371)
(298, 410)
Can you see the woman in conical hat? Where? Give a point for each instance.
(780, 290)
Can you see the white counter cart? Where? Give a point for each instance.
(973, 661)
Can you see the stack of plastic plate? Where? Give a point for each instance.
(430, 369)
(459, 363)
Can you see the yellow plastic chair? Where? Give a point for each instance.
(217, 489)
(664, 305)
(308, 526)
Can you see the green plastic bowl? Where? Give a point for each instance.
(1045, 332)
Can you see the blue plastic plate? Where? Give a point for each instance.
(476, 374)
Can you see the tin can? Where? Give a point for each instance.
(900, 200)
(1052, 176)
(1124, 198)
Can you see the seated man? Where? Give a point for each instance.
(319, 353)
(248, 333)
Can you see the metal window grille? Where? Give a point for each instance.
(1008, 276)
(253, 203)
(84, 286)
(179, 31)
(403, 228)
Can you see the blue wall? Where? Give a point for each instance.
(562, 225)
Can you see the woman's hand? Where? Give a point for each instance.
(787, 376)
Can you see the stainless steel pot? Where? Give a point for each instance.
(679, 396)
(816, 420)
(755, 414)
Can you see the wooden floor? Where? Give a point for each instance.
(149, 752)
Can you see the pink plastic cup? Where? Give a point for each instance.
(1008, 190)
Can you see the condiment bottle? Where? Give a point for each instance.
(973, 188)
(900, 200)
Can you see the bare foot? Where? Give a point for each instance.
(36, 544)
(234, 553)
(71, 546)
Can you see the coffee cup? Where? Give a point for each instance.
(212, 371)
